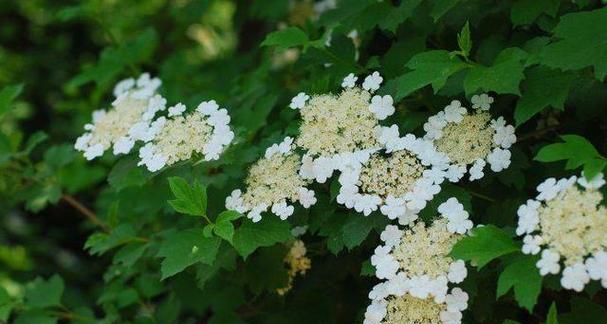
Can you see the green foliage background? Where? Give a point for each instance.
(107, 241)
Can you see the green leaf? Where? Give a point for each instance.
(35, 316)
(584, 311)
(522, 275)
(483, 245)
(463, 40)
(267, 232)
(441, 7)
(33, 141)
(7, 96)
(398, 15)
(577, 151)
(551, 317)
(183, 248)
(223, 224)
(191, 200)
(524, 12)
(581, 43)
(126, 173)
(433, 67)
(59, 156)
(130, 253)
(502, 77)
(41, 293)
(542, 88)
(6, 305)
(285, 38)
(99, 243)
(367, 269)
(226, 259)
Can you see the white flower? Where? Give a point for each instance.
(547, 189)
(379, 291)
(528, 217)
(155, 163)
(123, 145)
(575, 277)
(94, 151)
(255, 213)
(420, 286)
(398, 285)
(435, 125)
(123, 86)
(366, 204)
(376, 312)
(448, 317)
(457, 300)
(299, 101)
(455, 172)
(234, 201)
(349, 81)
(394, 207)
(372, 82)
(382, 107)
(306, 197)
(454, 112)
(476, 171)
(408, 217)
(499, 159)
(306, 170)
(282, 210)
(531, 244)
(457, 216)
(208, 108)
(391, 235)
(385, 264)
(482, 101)
(435, 174)
(457, 271)
(438, 288)
(595, 183)
(323, 169)
(549, 263)
(504, 136)
(176, 110)
(597, 267)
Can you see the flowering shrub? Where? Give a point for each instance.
(303, 161)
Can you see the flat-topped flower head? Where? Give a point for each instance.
(471, 138)
(298, 264)
(416, 268)
(398, 180)
(272, 183)
(409, 309)
(118, 127)
(204, 131)
(567, 221)
(334, 127)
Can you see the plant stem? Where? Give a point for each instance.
(85, 211)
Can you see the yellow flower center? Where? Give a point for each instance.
(468, 140)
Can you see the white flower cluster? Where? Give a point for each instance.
(338, 129)
(568, 221)
(417, 269)
(205, 130)
(272, 182)
(471, 138)
(134, 108)
(399, 183)
(168, 140)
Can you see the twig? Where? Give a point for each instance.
(85, 211)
